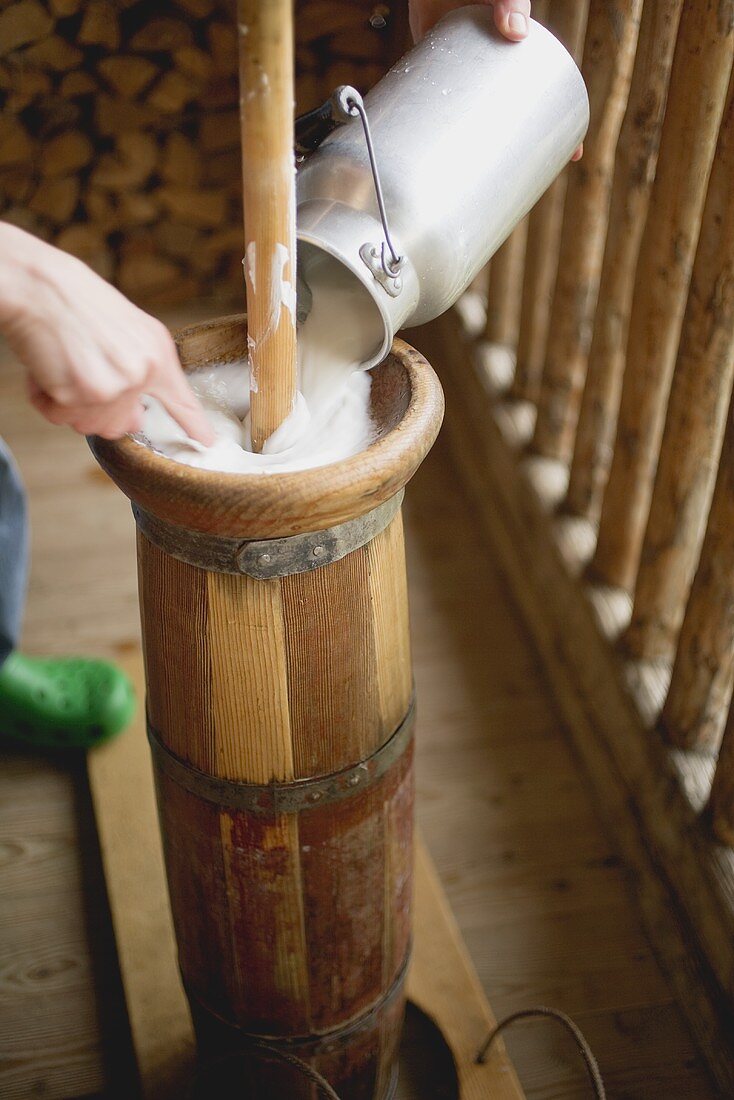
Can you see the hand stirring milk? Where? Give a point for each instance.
(331, 418)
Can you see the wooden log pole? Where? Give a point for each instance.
(568, 24)
(720, 809)
(504, 289)
(268, 188)
(694, 425)
(609, 50)
(703, 672)
(634, 172)
(698, 85)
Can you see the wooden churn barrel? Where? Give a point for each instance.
(280, 716)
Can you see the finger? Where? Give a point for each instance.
(48, 408)
(123, 418)
(169, 385)
(578, 153)
(512, 18)
(111, 420)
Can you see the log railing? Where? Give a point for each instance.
(618, 427)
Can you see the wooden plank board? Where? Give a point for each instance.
(682, 897)
(442, 982)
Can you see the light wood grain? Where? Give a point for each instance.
(444, 985)
(389, 595)
(249, 679)
(694, 424)
(269, 197)
(634, 171)
(121, 782)
(698, 84)
(609, 50)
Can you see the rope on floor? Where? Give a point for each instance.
(587, 1054)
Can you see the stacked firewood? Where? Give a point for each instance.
(119, 132)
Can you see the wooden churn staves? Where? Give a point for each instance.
(280, 714)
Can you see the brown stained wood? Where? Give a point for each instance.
(358, 895)
(634, 171)
(282, 918)
(695, 421)
(405, 391)
(703, 672)
(269, 199)
(609, 49)
(505, 289)
(442, 981)
(249, 679)
(698, 83)
(266, 920)
(174, 617)
(331, 666)
(391, 631)
(199, 893)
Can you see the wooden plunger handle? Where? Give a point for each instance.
(268, 175)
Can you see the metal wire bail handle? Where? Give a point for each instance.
(347, 104)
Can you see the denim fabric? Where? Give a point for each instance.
(13, 552)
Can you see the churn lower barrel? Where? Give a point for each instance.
(280, 717)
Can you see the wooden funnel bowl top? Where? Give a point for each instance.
(407, 407)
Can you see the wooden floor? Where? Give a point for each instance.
(541, 898)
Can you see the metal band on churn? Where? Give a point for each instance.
(265, 559)
(284, 798)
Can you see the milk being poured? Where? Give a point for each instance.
(331, 417)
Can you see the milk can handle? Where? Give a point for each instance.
(345, 104)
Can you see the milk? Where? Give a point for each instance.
(330, 420)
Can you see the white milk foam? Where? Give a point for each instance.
(331, 417)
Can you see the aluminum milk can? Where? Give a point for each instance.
(467, 132)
